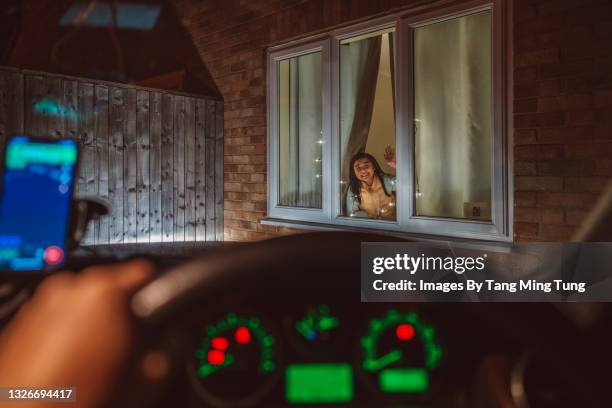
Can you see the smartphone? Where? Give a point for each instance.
(35, 203)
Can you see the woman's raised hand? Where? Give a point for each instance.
(390, 156)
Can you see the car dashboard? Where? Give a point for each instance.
(319, 348)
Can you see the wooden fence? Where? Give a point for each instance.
(156, 156)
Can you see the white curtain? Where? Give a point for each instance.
(452, 67)
(353, 57)
(300, 126)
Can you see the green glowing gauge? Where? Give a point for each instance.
(317, 323)
(236, 361)
(316, 331)
(399, 352)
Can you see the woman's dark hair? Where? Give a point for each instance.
(355, 184)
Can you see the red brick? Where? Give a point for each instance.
(526, 199)
(564, 103)
(526, 214)
(603, 167)
(525, 90)
(588, 150)
(526, 74)
(526, 152)
(539, 25)
(533, 120)
(552, 151)
(526, 229)
(539, 57)
(525, 168)
(552, 216)
(566, 167)
(531, 183)
(580, 118)
(524, 136)
(586, 184)
(552, 7)
(525, 105)
(565, 200)
(589, 14)
(555, 232)
(575, 217)
(564, 135)
(524, 11)
(602, 98)
(549, 87)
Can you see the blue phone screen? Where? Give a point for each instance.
(37, 189)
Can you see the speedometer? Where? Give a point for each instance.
(399, 352)
(235, 362)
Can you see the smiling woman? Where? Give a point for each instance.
(371, 191)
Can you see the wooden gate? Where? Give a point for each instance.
(156, 156)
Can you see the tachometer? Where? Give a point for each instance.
(236, 361)
(399, 352)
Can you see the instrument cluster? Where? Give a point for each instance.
(322, 352)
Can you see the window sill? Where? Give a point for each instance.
(316, 226)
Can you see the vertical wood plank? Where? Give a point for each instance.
(155, 166)
(200, 170)
(4, 107)
(167, 154)
(130, 165)
(101, 110)
(87, 172)
(219, 171)
(11, 104)
(143, 171)
(179, 168)
(210, 170)
(44, 117)
(190, 147)
(16, 98)
(81, 182)
(115, 182)
(56, 126)
(35, 119)
(70, 105)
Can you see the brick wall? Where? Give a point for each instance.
(562, 113)
(563, 100)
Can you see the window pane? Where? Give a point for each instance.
(453, 118)
(300, 131)
(367, 126)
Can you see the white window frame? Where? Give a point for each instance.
(498, 229)
(274, 209)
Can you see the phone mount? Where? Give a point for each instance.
(84, 210)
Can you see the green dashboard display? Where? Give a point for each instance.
(241, 359)
(319, 383)
(404, 380)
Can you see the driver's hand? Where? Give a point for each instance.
(74, 332)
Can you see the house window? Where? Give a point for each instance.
(300, 131)
(394, 124)
(453, 118)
